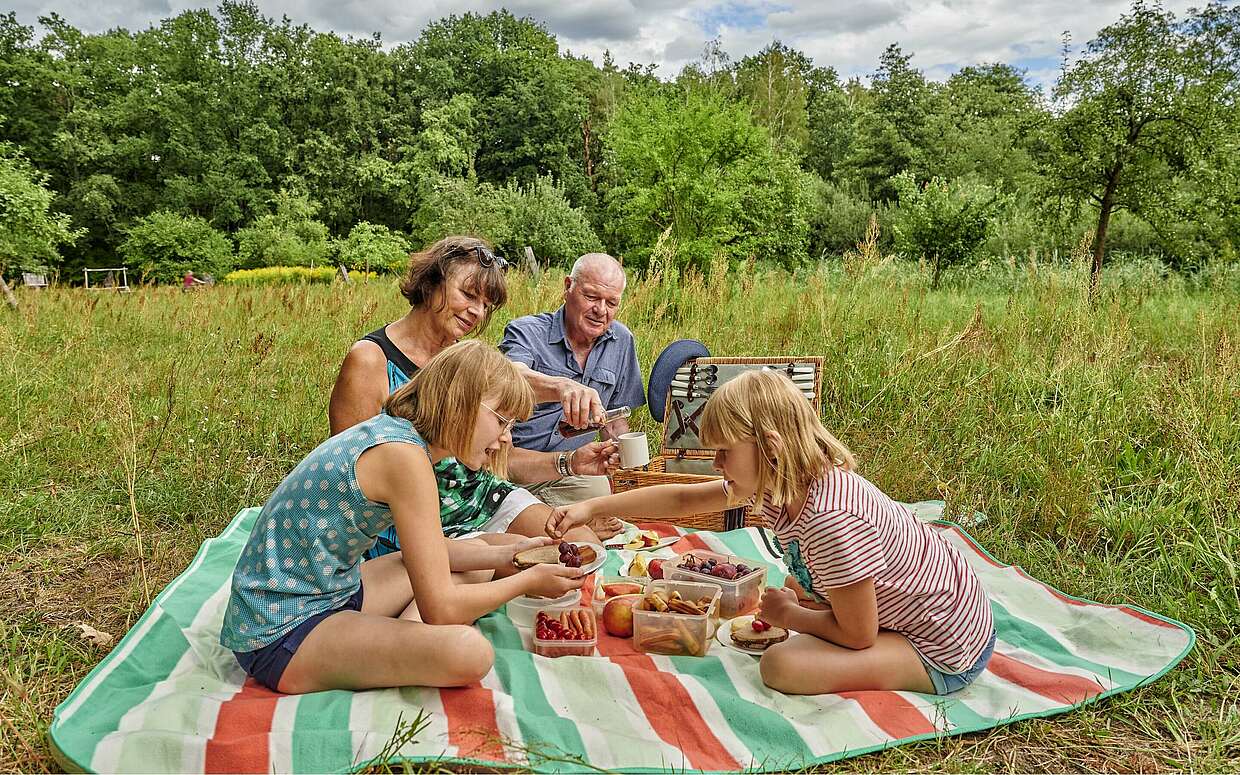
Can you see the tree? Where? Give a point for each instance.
(696, 166)
(892, 123)
(943, 221)
(30, 234)
(775, 81)
(1138, 107)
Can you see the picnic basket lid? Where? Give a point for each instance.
(697, 379)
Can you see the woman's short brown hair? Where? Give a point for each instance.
(442, 399)
(430, 268)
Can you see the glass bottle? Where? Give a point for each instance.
(568, 431)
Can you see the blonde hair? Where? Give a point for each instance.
(759, 402)
(442, 399)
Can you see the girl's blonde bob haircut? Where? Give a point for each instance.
(793, 448)
(443, 399)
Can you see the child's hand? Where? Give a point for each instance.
(565, 518)
(778, 606)
(521, 546)
(551, 580)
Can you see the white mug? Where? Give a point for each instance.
(634, 451)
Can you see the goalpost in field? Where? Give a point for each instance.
(113, 279)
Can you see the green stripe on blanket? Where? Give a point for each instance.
(168, 698)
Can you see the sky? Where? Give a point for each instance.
(942, 35)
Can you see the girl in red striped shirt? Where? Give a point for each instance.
(880, 600)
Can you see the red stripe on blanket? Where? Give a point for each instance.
(664, 529)
(673, 715)
(242, 727)
(893, 714)
(688, 543)
(1060, 687)
(974, 545)
(472, 726)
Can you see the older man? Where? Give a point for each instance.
(582, 342)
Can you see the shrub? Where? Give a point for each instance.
(289, 275)
(510, 216)
(943, 221)
(376, 246)
(289, 237)
(163, 246)
(841, 219)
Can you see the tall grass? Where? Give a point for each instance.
(1102, 442)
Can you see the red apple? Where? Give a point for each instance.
(618, 615)
(655, 569)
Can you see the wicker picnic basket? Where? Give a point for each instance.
(682, 459)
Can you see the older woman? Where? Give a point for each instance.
(453, 287)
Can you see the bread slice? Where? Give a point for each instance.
(744, 635)
(542, 555)
(550, 555)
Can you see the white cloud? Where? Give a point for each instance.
(943, 35)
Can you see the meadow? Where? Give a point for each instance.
(1101, 440)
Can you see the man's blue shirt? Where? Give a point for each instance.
(539, 342)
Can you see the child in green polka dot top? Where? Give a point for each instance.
(308, 613)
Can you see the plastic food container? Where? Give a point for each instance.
(599, 600)
(673, 633)
(568, 648)
(522, 610)
(740, 596)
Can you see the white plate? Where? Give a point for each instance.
(600, 556)
(724, 635)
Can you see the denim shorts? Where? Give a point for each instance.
(266, 665)
(946, 683)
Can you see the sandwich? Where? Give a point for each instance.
(565, 553)
(756, 634)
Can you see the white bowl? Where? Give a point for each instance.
(522, 610)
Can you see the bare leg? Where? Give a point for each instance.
(371, 648)
(532, 522)
(805, 664)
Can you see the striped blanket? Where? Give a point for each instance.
(169, 698)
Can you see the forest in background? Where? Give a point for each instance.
(221, 140)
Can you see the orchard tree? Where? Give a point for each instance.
(1138, 108)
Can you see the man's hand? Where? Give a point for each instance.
(598, 458)
(778, 607)
(582, 405)
(564, 518)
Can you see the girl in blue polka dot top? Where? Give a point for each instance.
(308, 613)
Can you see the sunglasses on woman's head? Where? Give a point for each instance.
(486, 258)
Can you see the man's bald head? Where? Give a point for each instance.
(600, 268)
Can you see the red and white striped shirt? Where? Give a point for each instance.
(850, 531)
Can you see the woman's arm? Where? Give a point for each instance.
(401, 476)
(361, 387)
(664, 500)
(851, 621)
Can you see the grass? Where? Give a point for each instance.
(1103, 443)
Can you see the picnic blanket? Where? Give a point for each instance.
(169, 698)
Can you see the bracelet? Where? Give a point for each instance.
(561, 465)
